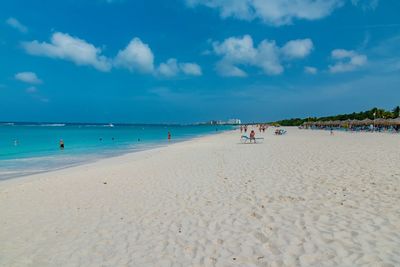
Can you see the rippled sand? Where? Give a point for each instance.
(304, 199)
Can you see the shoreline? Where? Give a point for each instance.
(111, 154)
(302, 199)
(115, 157)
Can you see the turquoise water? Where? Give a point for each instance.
(32, 148)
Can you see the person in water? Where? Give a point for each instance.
(169, 136)
(61, 144)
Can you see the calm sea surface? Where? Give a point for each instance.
(32, 148)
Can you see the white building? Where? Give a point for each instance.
(234, 121)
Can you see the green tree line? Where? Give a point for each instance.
(369, 114)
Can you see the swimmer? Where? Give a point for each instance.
(61, 144)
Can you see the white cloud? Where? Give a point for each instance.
(298, 48)
(172, 68)
(310, 70)
(191, 69)
(273, 12)
(28, 77)
(346, 60)
(169, 68)
(66, 47)
(137, 56)
(229, 70)
(13, 22)
(268, 56)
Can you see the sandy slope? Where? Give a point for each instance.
(304, 199)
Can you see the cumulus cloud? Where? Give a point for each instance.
(169, 68)
(298, 48)
(13, 22)
(172, 68)
(28, 77)
(273, 12)
(137, 56)
(66, 47)
(191, 69)
(310, 70)
(229, 70)
(346, 60)
(240, 52)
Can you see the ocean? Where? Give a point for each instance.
(27, 148)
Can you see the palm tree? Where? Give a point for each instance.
(396, 112)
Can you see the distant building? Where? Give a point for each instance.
(219, 122)
(234, 121)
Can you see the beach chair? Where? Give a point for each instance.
(280, 132)
(246, 140)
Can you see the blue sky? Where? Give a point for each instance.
(196, 60)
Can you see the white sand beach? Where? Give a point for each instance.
(302, 199)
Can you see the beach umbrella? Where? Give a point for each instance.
(354, 122)
(380, 121)
(366, 122)
(345, 123)
(395, 121)
(336, 123)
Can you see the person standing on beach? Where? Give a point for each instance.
(169, 136)
(253, 136)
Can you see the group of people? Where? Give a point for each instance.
(62, 144)
(261, 127)
(252, 136)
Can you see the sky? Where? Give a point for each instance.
(184, 61)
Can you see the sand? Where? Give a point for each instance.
(303, 199)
